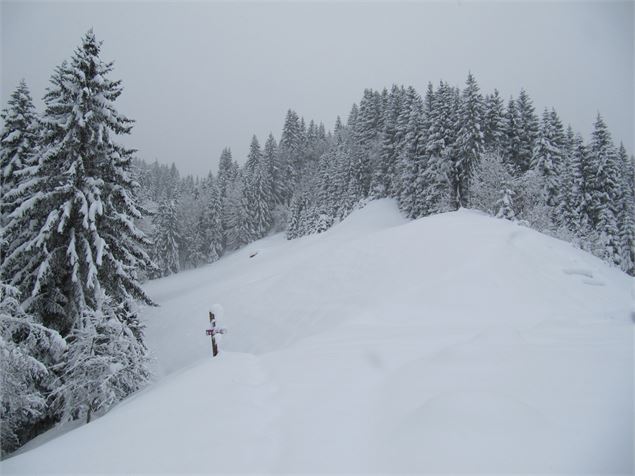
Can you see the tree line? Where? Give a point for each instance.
(449, 149)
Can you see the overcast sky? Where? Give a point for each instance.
(201, 76)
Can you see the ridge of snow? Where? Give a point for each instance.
(453, 343)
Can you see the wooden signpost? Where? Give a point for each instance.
(212, 331)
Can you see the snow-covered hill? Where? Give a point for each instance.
(454, 343)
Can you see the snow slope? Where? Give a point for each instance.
(454, 343)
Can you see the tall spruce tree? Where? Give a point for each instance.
(493, 122)
(254, 157)
(626, 211)
(573, 203)
(290, 152)
(384, 175)
(296, 225)
(258, 200)
(166, 238)
(77, 218)
(75, 247)
(436, 193)
(412, 157)
(527, 131)
(469, 142)
(225, 173)
(211, 223)
(511, 140)
(603, 189)
(547, 159)
(271, 159)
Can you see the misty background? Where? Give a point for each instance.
(202, 76)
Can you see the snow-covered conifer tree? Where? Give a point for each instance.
(105, 362)
(492, 182)
(258, 200)
(385, 169)
(366, 142)
(469, 141)
(18, 140)
(435, 196)
(493, 122)
(547, 159)
(271, 159)
(412, 157)
(254, 157)
(225, 172)
(603, 189)
(211, 224)
(344, 196)
(511, 139)
(573, 203)
(238, 231)
(27, 351)
(166, 238)
(290, 153)
(626, 211)
(295, 228)
(506, 204)
(77, 235)
(527, 131)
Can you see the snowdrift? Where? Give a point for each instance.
(454, 343)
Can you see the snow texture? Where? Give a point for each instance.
(451, 344)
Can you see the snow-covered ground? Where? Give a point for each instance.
(455, 343)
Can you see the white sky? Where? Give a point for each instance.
(201, 76)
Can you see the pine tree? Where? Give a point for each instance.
(469, 142)
(493, 188)
(353, 115)
(626, 211)
(291, 153)
(527, 132)
(27, 351)
(493, 123)
(211, 224)
(271, 159)
(511, 139)
(384, 174)
(190, 239)
(238, 231)
(77, 233)
(75, 247)
(105, 363)
(506, 204)
(412, 156)
(258, 200)
(18, 141)
(369, 121)
(344, 195)
(603, 189)
(166, 238)
(295, 229)
(559, 138)
(548, 157)
(254, 157)
(366, 142)
(225, 172)
(573, 204)
(435, 194)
